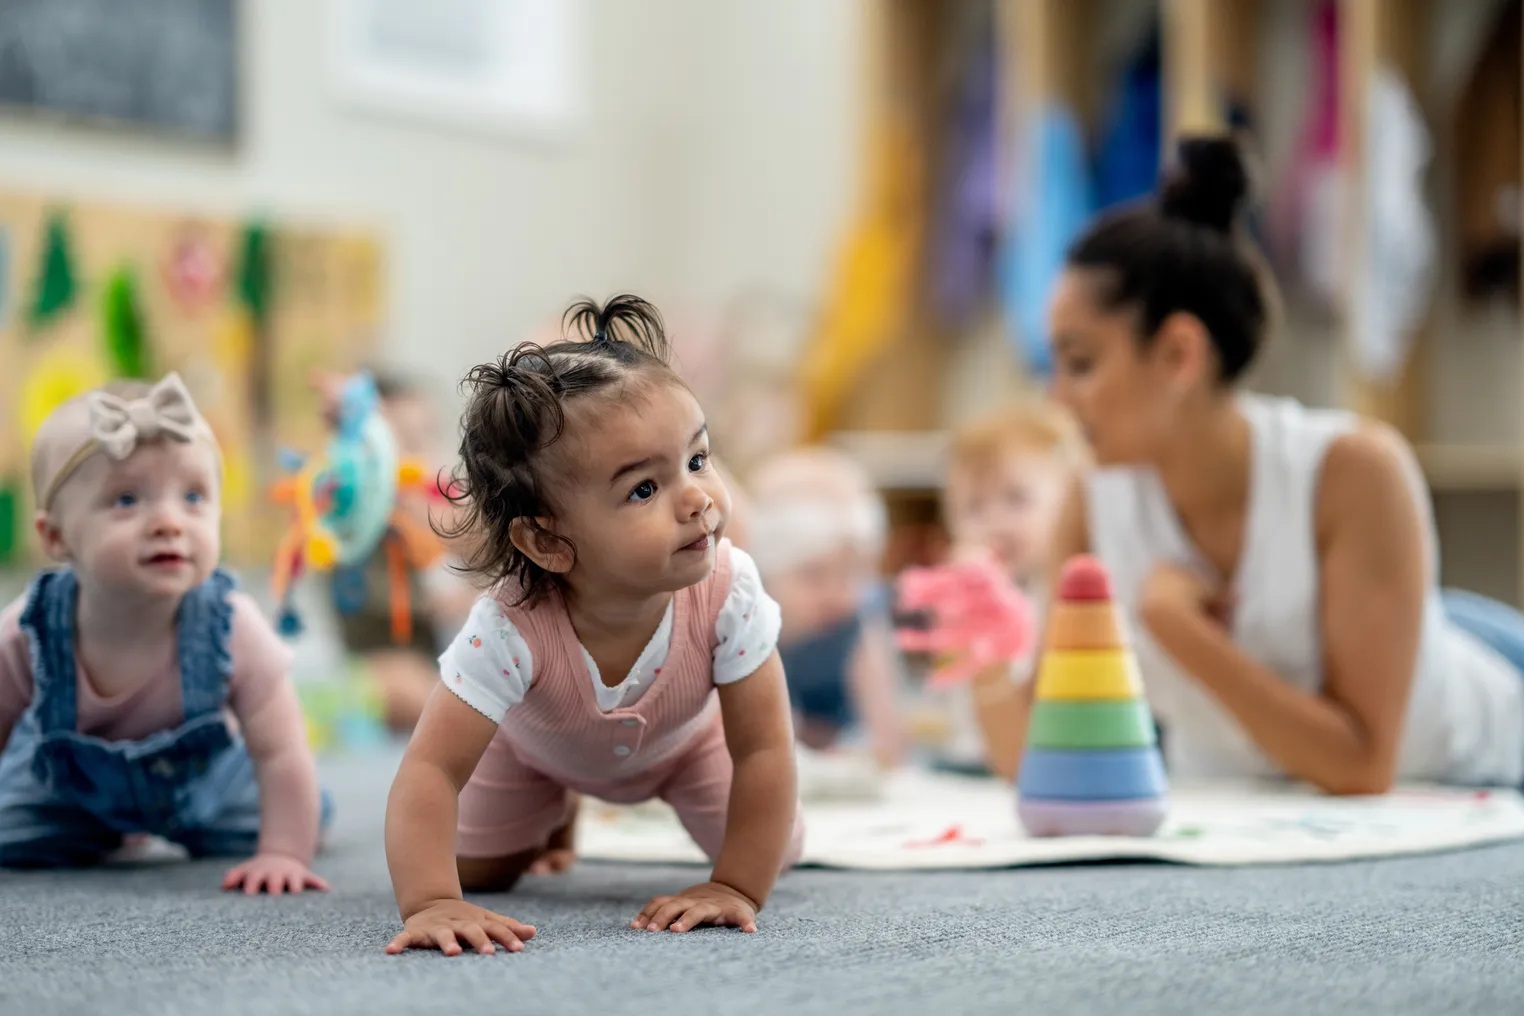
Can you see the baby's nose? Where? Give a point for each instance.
(167, 520)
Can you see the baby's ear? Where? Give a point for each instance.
(536, 541)
(51, 536)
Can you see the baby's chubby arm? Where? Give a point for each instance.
(15, 671)
(762, 810)
(764, 792)
(263, 698)
(290, 805)
(421, 816)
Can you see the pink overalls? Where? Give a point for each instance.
(669, 745)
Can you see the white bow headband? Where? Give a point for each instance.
(118, 426)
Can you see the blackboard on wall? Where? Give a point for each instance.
(170, 66)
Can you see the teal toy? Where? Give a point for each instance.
(345, 506)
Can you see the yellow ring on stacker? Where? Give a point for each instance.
(1088, 675)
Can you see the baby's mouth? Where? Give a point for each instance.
(166, 559)
(703, 542)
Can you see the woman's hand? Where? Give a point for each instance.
(1173, 592)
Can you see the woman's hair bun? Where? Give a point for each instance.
(1209, 183)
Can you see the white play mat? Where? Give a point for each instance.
(927, 821)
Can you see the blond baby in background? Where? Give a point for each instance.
(817, 531)
(1006, 479)
(139, 693)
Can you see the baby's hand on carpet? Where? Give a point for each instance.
(448, 923)
(708, 903)
(275, 873)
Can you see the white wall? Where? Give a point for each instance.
(716, 154)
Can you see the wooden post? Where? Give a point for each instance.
(1520, 594)
(897, 386)
(1051, 59)
(1209, 56)
(1374, 34)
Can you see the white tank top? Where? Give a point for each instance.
(1466, 717)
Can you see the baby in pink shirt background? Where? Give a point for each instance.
(139, 693)
(626, 649)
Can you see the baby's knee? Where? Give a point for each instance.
(493, 874)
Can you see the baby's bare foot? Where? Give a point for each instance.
(553, 861)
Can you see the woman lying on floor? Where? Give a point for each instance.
(1277, 563)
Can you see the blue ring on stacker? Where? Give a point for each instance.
(1123, 774)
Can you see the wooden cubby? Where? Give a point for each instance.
(1458, 395)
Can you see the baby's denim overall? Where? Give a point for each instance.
(67, 798)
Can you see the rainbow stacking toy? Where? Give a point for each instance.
(1092, 765)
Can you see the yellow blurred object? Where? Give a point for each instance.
(875, 280)
(233, 340)
(1088, 675)
(322, 551)
(411, 473)
(59, 376)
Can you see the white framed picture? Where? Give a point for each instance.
(491, 65)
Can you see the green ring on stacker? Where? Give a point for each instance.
(1117, 723)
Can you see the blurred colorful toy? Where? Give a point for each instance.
(345, 506)
(968, 613)
(343, 714)
(1091, 765)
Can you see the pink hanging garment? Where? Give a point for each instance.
(1304, 227)
(1323, 199)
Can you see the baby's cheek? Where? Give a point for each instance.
(721, 495)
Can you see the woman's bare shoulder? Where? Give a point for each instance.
(1369, 475)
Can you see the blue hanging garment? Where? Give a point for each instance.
(1053, 203)
(1127, 163)
(966, 236)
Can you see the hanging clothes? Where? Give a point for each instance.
(1396, 275)
(1304, 228)
(875, 279)
(1054, 200)
(1127, 159)
(968, 221)
(1486, 135)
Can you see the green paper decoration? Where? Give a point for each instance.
(254, 283)
(10, 510)
(254, 273)
(122, 326)
(56, 286)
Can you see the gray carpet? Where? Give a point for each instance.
(1442, 934)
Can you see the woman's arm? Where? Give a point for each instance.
(1371, 593)
(1003, 706)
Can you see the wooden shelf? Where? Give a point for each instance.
(1472, 467)
(915, 461)
(905, 460)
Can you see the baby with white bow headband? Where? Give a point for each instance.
(139, 692)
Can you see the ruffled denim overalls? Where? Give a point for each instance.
(67, 798)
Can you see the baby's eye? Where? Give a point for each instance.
(195, 496)
(644, 491)
(697, 463)
(125, 500)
